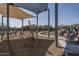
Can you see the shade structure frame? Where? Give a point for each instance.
(34, 7)
(37, 22)
(10, 14)
(8, 42)
(48, 23)
(37, 26)
(15, 12)
(36, 11)
(2, 28)
(7, 22)
(22, 28)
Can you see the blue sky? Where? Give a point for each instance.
(68, 14)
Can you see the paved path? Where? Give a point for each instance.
(59, 37)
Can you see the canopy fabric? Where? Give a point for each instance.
(15, 12)
(34, 7)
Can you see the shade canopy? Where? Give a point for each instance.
(34, 7)
(15, 12)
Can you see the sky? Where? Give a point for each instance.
(67, 14)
